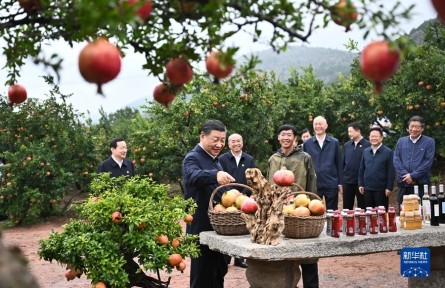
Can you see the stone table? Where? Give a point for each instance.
(276, 266)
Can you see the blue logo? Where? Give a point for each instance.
(415, 262)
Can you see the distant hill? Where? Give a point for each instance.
(327, 63)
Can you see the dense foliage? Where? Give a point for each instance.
(105, 250)
(48, 153)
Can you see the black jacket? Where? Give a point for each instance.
(228, 163)
(110, 166)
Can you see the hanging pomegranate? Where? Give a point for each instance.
(163, 94)
(17, 94)
(344, 13)
(218, 65)
(439, 5)
(99, 62)
(144, 10)
(378, 62)
(179, 71)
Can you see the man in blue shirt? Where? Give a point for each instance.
(413, 159)
(117, 165)
(326, 155)
(202, 173)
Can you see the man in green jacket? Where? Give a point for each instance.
(300, 163)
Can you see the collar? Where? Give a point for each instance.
(213, 157)
(117, 161)
(415, 140)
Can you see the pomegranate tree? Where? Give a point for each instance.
(99, 62)
(344, 13)
(163, 94)
(379, 61)
(219, 65)
(179, 71)
(17, 94)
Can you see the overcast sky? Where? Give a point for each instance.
(133, 83)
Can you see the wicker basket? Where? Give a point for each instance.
(227, 223)
(303, 227)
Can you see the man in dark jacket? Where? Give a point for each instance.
(376, 174)
(352, 156)
(117, 165)
(326, 154)
(413, 159)
(235, 162)
(202, 173)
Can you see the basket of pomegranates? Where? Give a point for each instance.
(225, 216)
(304, 215)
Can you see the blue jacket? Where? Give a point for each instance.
(352, 156)
(415, 159)
(328, 161)
(199, 171)
(228, 163)
(377, 171)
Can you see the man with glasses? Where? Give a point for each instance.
(413, 159)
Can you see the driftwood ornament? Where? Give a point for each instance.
(266, 225)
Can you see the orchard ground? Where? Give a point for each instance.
(376, 270)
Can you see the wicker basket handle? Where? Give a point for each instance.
(222, 186)
(307, 193)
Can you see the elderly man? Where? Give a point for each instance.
(326, 154)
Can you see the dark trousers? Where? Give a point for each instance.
(310, 275)
(374, 198)
(208, 270)
(236, 261)
(407, 191)
(331, 197)
(350, 192)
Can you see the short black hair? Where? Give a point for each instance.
(210, 125)
(305, 130)
(417, 119)
(286, 127)
(356, 126)
(113, 143)
(375, 128)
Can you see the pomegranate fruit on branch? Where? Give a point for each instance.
(219, 64)
(344, 13)
(179, 71)
(379, 61)
(99, 62)
(17, 94)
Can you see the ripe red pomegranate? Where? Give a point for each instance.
(283, 177)
(378, 62)
(30, 6)
(174, 259)
(99, 62)
(144, 10)
(344, 13)
(17, 94)
(116, 217)
(439, 5)
(163, 94)
(218, 66)
(179, 71)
